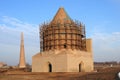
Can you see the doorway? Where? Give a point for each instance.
(81, 67)
(80, 70)
(50, 67)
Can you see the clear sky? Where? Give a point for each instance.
(101, 18)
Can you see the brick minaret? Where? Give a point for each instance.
(22, 53)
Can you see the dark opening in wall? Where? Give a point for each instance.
(65, 45)
(80, 68)
(50, 67)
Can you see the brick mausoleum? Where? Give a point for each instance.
(63, 46)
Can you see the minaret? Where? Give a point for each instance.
(22, 53)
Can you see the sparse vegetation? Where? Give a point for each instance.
(19, 74)
(103, 73)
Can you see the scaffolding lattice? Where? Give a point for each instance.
(67, 35)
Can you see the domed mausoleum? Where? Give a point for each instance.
(63, 46)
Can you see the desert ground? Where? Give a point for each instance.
(109, 73)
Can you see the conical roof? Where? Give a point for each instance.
(61, 16)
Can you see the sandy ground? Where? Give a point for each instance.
(103, 74)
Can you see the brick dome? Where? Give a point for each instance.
(62, 33)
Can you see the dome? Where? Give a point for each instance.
(62, 33)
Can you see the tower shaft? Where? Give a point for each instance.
(22, 53)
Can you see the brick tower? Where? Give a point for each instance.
(22, 53)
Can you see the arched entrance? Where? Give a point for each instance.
(81, 69)
(50, 67)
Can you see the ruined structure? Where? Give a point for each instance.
(22, 63)
(63, 46)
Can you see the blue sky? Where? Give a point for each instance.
(101, 18)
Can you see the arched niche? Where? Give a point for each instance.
(49, 67)
(81, 67)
